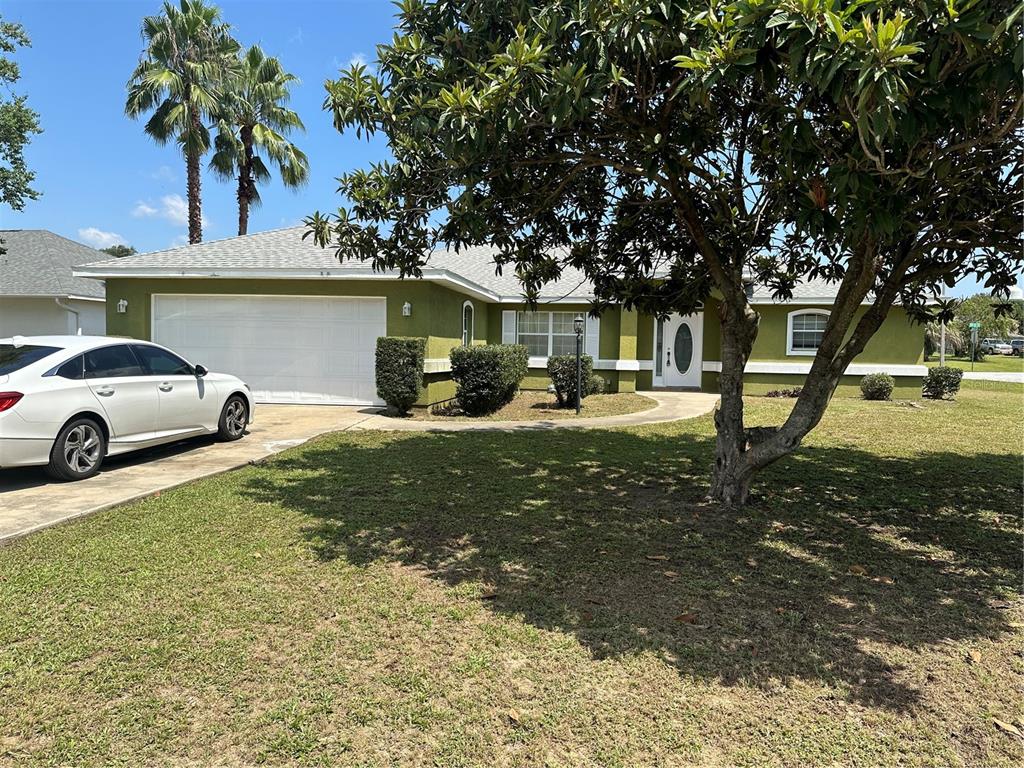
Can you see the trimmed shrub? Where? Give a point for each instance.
(399, 369)
(942, 381)
(487, 376)
(795, 392)
(877, 386)
(562, 370)
(598, 386)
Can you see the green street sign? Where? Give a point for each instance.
(974, 326)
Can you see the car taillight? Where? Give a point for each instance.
(8, 399)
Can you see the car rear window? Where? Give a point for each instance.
(14, 358)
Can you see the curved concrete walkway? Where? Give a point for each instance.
(30, 501)
(671, 406)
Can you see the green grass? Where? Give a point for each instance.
(991, 363)
(554, 598)
(530, 405)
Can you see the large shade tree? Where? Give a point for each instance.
(674, 150)
(189, 57)
(254, 120)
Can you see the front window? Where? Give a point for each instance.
(14, 358)
(467, 323)
(547, 333)
(806, 330)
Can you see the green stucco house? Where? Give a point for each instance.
(301, 327)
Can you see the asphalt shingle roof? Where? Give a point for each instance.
(285, 250)
(38, 263)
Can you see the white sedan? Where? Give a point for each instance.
(67, 402)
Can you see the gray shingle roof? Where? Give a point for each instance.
(284, 251)
(39, 263)
(807, 290)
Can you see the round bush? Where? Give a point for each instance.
(942, 381)
(877, 386)
(562, 371)
(487, 376)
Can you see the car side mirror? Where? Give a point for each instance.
(201, 371)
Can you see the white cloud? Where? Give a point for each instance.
(143, 210)
(296, 38)
(164, 173)
(179, 241)
(97, 238)
(357, 58)
(174, 208)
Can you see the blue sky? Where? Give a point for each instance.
(104, 181)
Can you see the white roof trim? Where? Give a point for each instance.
(72, 296)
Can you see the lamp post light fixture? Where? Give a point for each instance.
(577, 325)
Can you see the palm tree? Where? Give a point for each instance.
(933, 336)
(189, 56)
(254, 121)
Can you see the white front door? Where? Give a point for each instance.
(681, 350)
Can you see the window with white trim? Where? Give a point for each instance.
(467, 324)
(805, 330)
(546, 333)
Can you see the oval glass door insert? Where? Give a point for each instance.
(682, 348)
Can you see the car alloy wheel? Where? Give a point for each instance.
(234, 418)
(82, 448)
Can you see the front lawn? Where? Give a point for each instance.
(991, 363)
(530, 405)
(556, 598)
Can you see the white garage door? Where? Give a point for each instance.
(289, 349)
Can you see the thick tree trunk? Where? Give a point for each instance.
(730, 483)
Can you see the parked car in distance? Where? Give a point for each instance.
(68, 402)
(995, 347)
(1017, 345)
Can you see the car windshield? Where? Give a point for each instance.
(14, 358)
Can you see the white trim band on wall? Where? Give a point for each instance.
(437, 365)
(856, 369)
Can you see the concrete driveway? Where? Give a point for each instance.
(30, 500)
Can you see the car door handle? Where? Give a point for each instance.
(105, 391)
(165, 386)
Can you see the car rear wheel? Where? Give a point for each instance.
(78, 451)
(233, 418)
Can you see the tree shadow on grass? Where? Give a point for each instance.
(605, 535)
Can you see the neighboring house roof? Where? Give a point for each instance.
(35, 262)
(284, 254)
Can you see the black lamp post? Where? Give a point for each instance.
(577, 325)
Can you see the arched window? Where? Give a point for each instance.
(805, 329)
(467, 323)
